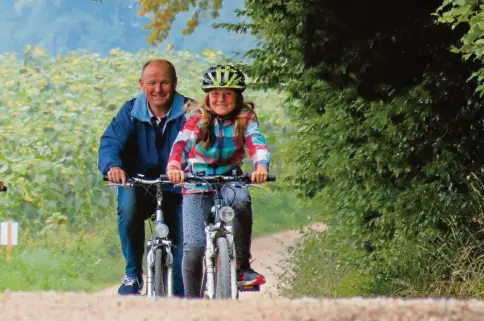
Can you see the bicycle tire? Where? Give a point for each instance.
(223, 288)
(160, 273)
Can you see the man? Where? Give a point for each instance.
(138, 141)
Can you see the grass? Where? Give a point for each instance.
(322, 268)
(329, 265)
(64, 261)
(275, 211)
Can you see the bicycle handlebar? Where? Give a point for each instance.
(227, 178)
(163, 179)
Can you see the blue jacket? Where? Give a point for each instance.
(129, 141)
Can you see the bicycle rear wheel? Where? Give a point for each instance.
(222, 270)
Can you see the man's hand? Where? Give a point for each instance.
(175, 175)
(117, 175)
(1, 186)
(260, 175)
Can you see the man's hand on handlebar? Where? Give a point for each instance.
(259, 176)
(117, 175)
(175, 175)
(2, 187)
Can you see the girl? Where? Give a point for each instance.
(212, 143)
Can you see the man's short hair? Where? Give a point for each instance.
(170, 66)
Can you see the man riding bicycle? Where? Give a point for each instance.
(138, 141)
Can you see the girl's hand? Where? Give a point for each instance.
(260, 175)
(175, 175)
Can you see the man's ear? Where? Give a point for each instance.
(140, 82)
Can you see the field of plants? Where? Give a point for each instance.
(52, 114)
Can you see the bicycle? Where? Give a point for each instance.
(159, 257)
(220, 276)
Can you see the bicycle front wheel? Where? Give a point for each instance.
(222, 270)
(160, 273)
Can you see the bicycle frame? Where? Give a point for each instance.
(155, 241)
(153, 244)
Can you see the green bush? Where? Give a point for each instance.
(388, 130)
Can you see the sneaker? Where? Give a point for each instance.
(249, 278)
(131, 285)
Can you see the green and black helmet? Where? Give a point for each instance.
(223, 76)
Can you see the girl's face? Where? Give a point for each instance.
(222, 100)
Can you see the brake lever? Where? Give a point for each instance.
(183, 184)
(121, 185)
(246, 185)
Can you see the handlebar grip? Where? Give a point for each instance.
(271, 178)
(162, 177)
(4, 189)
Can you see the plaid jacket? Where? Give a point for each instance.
(226, 154)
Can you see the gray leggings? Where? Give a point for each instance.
(196, 208)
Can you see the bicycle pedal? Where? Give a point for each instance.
(249, 288)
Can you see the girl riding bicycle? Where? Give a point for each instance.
(213, 142)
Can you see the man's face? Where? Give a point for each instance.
(158, 84)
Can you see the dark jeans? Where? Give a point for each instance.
(134, 206)
(196, 209)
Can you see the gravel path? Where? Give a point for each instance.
(266, 305)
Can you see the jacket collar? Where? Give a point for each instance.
(141, 110)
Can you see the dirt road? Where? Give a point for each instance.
(266, 305)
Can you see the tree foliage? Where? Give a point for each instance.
(390, 127)
(467, 15)
(164, 13)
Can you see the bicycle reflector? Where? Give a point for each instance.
(161, 230)
(227, 214)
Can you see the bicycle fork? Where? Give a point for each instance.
(168, 263)
(210, 253)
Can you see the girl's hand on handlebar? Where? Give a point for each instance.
(259, 176)
(117, 175)
(175, 175)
